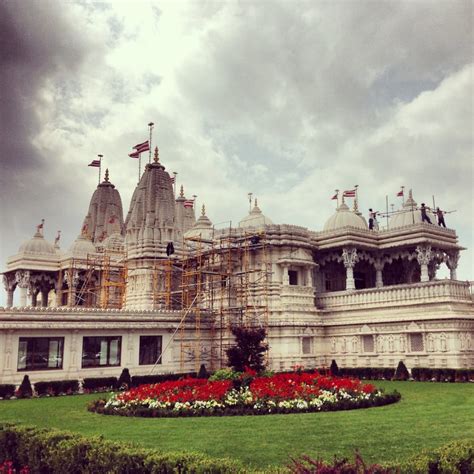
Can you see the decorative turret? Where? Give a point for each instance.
(255, 218)
(105, 216)
(409, 214)
(185, 217)
(344, 217)
(203, 228)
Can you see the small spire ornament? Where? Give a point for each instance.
(156, 157)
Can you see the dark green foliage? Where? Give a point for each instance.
(52, 451)
(249, 349)
(334, 369)
(124, 380)
(402, 372)
(138, 380)
(57, 387)
(99, 383)
(367, 373)
(25, 390)
(202, 374)
(7, 390)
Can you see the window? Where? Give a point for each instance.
(368, 342)
(307, 343)
(416, 342)
(150, 350)
(293, 277)
(101, 351)
(40, 353)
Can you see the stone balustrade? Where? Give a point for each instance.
(433, 291)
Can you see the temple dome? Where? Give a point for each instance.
(82, 246)
(37, 245)
(203, 228)
(344, 217)
(409, 214)
(115, 242)
(255, 218)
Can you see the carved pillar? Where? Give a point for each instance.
(309, 276)
(424, 256)
(44, 297)
(349, 258)
(72, 280)
(285, 275)
(22, 278)
(10, 285)
(378, 265)
(452, 264)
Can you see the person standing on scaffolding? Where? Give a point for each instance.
(373, 224)
(424, 215)
(440, 216)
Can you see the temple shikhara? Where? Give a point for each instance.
(158, 290)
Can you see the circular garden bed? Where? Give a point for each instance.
(245, 394)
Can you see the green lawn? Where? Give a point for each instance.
(429, 415)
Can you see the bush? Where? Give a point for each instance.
(57, 387)
(334, 369)
(52, 451)
(124, 380)
(25, 390)
(402, 372)
(225, 374)
(99, 383)
(249, 349)
(6, 390)
(202, 374)
(454, 457)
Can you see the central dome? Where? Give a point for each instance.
(37, 246)
(344, 217)
(255, 218)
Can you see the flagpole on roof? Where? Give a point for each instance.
(194, 201)
(337, 197)
(174, 184)
(100, 164)
(139, 166)
(150, 126)
(356, 200)
(403, 195)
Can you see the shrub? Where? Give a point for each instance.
(6, 390)
(402, 372)
(138, 380)
(25, 390)
(225, 374)
(249, 349)
(202, 374)
(124, 380)
(99, 383)
(334, 369)
(57, 387)
(52, 451)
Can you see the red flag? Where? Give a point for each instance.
(94, 163)
(400, 193)
(349, 193)
(141, 147)
(334, 197)
(135, 154)
(188, 203)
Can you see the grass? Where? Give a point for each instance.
(429, 415)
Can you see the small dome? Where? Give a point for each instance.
(82, 246)
(203, 228)
(115, 242)
(344, 217)
(255, 218)
(409, 214)
(37, 246)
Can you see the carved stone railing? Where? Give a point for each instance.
(429, 292)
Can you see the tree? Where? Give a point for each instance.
(249, 349)
(402, 372)
(334, 369)
(25, 390)
(124, 380)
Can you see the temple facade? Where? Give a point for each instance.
(159, 291)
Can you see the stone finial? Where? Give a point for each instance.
(203, 210)
(181, 191)
(156, 156)
(106, 179)
(56, 240)
(410, 194)
(255, 203)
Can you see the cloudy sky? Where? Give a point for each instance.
(286, 99)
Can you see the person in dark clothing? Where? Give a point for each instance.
(424, 216)
(440, 216)
(372, 220)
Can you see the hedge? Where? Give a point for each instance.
(53, 451)
(7, 390)
(99, 383)
(57, 387)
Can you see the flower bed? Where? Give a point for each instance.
(281, 393)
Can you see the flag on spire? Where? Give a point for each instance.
(142, 147)
(334, 197)
(94, 163)
(135, 154)
(400, 193)
(189, 203)
(349, 193)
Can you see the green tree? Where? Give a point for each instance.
(249, 350)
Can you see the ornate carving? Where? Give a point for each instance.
(349, 257)
(22, 278)
(71, 277)
(424, 254)
(9, 281)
